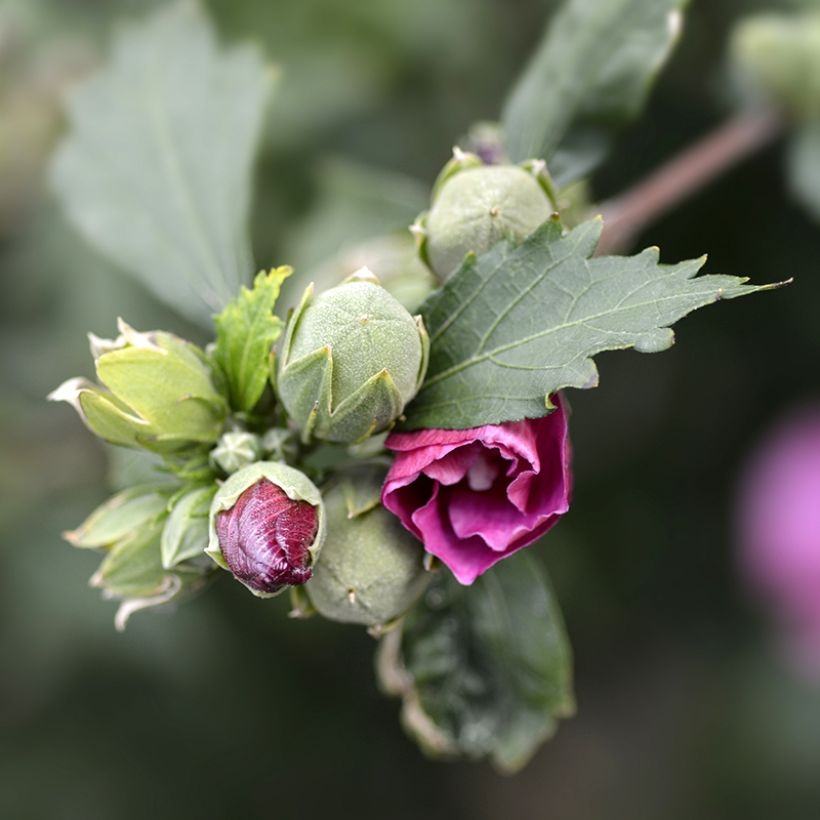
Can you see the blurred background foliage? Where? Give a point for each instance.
(229, 709)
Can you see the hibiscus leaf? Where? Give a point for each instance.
(590, 75)
(484, 670)
(245, 332)
(155, 171)
(519, 323)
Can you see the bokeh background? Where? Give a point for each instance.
(226, 708)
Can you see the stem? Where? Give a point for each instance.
(627, 215)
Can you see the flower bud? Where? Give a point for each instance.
(780, 55)
(351, 360)
(372, 569)
(280, 444)
(267, 525)
(161, 393)
(236, 449)
(477, 206)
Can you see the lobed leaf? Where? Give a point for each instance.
(519, 323)
(155, 171)
(590, 74)
(245, 333)
(484, 670)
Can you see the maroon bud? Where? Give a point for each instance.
(265, 537)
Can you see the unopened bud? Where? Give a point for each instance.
(267, 527)
(352, 358)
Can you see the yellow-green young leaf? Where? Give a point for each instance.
(590, 74)
(245, 332)
(485, 670)
(521, 322)
(155, 171)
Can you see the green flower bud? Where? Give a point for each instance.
(475, 206)
(267, 526)
(236, 449)
(781, 55)
(280, 444)
(394, 260)
(351, 360)
(161, 393)
(372, 569)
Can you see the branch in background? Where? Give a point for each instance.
(626, 216)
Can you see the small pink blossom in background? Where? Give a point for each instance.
(476, 496)
(779, 533)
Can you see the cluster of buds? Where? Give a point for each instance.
(296, 489)
(234, 489)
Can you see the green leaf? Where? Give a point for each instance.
(245, 332)
(519, 323)
(156, 169)
(804, 167)
(590, 74)
(485, 670)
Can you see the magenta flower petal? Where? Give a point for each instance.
(265, 538)
(476, 496)
(779, 533)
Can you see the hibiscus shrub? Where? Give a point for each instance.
(383, 448)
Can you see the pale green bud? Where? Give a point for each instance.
(159, 392)
(351, 360)
(781, 55)
(236, 449)
(371, 570)
(280, 444)
(475, 206)
(392, 258)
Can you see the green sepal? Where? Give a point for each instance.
(313, 375)
(185, 534)
(106, 418)
(133, 567)
(370, 409)
(120, 516)
(460, 161)
(167, 385)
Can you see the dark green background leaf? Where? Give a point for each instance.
(156, 169)
(522, 322)
(485, 670)
(590, 74)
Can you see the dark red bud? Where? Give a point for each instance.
(265, 538)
